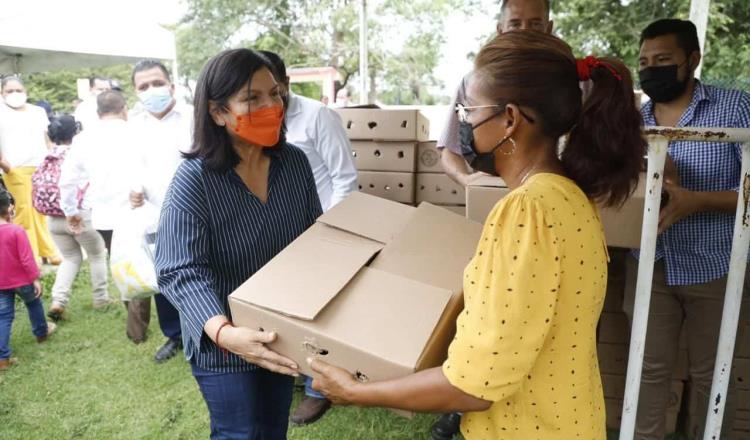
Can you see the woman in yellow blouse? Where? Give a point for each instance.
(523, 364)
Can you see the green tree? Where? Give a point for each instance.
(324, 33)
(59, 88)
(612, 27)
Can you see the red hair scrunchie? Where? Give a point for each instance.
(584, 66)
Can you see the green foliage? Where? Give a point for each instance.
(326, 33)
(613, 27)
(59, 87)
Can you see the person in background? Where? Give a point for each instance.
(695, 226)
(319, 132)
(514, 15)
(164, 130)
(523, 363)
(61, 131)
(23, 146)
(98, 161)
(86, 111)
(523, 15)
(242, 195)
(20, 276)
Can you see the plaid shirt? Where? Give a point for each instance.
(696, 249)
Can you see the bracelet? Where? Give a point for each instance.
(218, 332)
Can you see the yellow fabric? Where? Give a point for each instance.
(18, 182)
(526, 339)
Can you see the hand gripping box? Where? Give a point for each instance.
(368, 287)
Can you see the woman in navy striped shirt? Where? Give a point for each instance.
(242, 195)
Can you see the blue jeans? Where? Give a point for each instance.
(8, 312)
(247, 406)
(169, 318)
(309, 391)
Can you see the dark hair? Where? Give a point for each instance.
(279, 69)
(223, 75)
(505, 3)
(110, 102)
(149, 64)
(47, 107)
(605, 146)
(6, 199)
(9, 78)
(62, 128)
(95, 78)
(684, 30)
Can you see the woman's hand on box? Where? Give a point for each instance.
(251, 346)
(337, 384)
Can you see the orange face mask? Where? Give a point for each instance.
(261, 127)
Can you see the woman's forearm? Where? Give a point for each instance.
(426, 391)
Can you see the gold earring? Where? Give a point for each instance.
(513, 148)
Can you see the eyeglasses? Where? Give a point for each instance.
(463, 111)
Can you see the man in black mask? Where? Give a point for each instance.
(695, 225)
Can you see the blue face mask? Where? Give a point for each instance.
(156, 99)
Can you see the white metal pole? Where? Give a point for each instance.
(732, 303)
(363, 75)
(657, 154)
(699, 10)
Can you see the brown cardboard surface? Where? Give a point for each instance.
(360, 326)
(457, 209)
(398, 187)
(613, 328)
(622, 226)
(433, 239)
(306, 275)
(439, 189)
(385, 125)
(368, 216)
(385, 156)
(428, 158)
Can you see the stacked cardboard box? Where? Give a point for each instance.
(384, 145)
(433, 185)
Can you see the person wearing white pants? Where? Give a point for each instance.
(70, 246)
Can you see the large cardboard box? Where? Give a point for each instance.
(398, 187)
(622, 226)
(428, 158)
(385, 156)
(385, 125)
(439, 189)
(368, 287)
(458, 209)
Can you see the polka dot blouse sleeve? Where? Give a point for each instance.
(510, 292)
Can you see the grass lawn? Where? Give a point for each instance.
(89, 382)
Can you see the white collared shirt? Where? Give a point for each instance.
(86, 112)
(160, 145)
(319, 132)
(99, 157)
(22, 135)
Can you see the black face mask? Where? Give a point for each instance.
(484, 162)
(660, 83)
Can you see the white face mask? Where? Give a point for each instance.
(16, 99)
(156, 99)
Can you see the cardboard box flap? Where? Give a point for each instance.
(294, 284)
(489, 181)
(374, 313)
(434, 248)
(368, 216)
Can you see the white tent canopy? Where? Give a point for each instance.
(68, 38)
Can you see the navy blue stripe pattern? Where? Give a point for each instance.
(696, 249)
(214, 234)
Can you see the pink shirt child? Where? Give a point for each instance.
(17, 265)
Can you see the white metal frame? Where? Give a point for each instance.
(659, 138)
